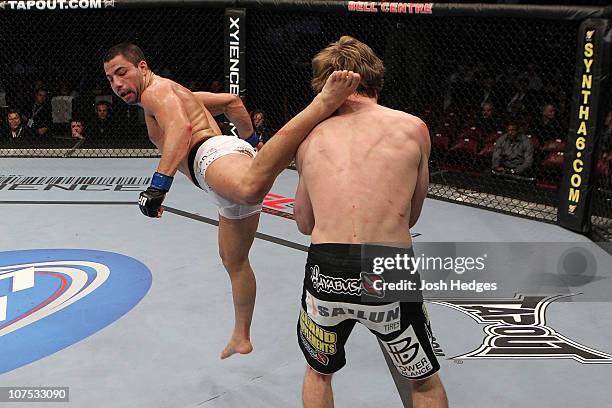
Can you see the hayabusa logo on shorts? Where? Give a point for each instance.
(51, 299)
(368, 281)
(329, 284)
(516, 329)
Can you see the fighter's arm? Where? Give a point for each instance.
(422, 183)
(302, 210)
(170, 115)
(175, 127)
(229, 105)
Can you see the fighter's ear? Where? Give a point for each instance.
(143, 67)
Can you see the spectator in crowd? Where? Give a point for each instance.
(215, 86)
(522, 99)
(513, 153)
(258, 119)
(3, 103)
(606, 141)
(77, 129)
(459, 83)
(547, 127)
(102, 127)
(532, 78)
(39, 116)
(84, 106)
(16, 133)
(487, 92)
(488, 121)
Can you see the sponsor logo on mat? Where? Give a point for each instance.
(53, 298)
(516, 329)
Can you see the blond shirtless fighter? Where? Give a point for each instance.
(363, 179)
(180, 124)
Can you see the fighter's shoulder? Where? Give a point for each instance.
(412, 126)
(411, 120)
(157, 92)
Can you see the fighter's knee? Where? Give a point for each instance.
(231, 262)
(253, 192)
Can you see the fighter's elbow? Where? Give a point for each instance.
(414, 217)
(305, 223)
(305, 227)
(234, 103)
(412, 222)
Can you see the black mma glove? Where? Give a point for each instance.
(150, 200)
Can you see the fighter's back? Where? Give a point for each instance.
(201, 121)
(360, 169)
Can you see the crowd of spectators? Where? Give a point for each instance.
(47, 117)
(513, 124)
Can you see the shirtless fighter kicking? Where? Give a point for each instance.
(180, 124)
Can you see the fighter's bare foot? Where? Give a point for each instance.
(240, 346)
(339, 86)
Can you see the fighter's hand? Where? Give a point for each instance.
(339, 86)
(150, 202)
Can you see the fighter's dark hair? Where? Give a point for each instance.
(131, 52)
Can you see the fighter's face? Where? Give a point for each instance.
(125, 78)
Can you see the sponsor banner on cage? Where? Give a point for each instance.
(56, 4)
(586, 122)
(433, 270)
(19, 182)
(235, 55)
(392, 7)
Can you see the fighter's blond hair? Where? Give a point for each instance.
(349, 54)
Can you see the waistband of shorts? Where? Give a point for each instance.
(191, 161)
(349, 255)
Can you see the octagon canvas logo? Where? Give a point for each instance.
(51, 299)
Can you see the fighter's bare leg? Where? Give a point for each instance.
(429, 393)
(235, 240)
(317, 391)
(247, 181)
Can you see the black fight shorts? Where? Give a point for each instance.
(332, 303)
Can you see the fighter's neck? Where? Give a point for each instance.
(356, 103)
(148, 80)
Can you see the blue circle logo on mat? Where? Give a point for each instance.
(53, 298)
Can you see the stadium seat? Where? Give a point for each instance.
(551, 171)
(556, 145)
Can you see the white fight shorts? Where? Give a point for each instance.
(203, 154)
